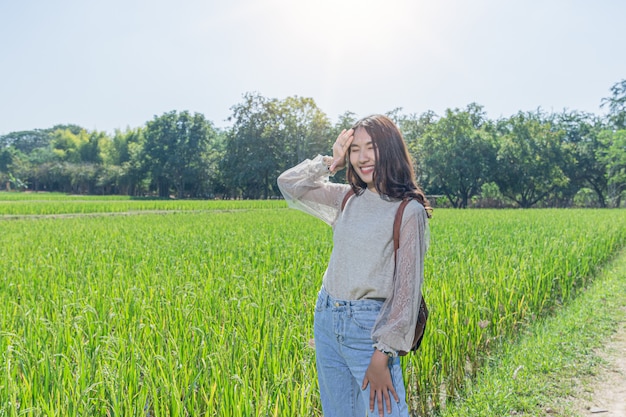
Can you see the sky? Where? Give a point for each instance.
(116, 64)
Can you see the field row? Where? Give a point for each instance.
(20, 204)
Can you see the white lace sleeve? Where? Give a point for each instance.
(306, 188)
(395, 326)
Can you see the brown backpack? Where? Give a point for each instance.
(422, 315)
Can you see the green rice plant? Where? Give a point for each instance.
(489, 273)
(180, 314)
(209, 312)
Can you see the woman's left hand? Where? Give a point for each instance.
(379, 379)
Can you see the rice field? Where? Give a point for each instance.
(206, 309)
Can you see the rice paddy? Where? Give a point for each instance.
(205, 308)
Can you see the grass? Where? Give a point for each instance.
(208, 311)
(541, 372)
(490, 273)
(178, 314)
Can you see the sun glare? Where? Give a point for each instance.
(349, 25)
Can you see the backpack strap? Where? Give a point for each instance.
(349, 194)
(397, 224)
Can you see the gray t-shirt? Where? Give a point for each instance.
(362, 262)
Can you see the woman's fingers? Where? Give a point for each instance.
(340, 148)
(346, 137)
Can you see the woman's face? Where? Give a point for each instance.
(363, 157)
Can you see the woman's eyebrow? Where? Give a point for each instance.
(356, 145)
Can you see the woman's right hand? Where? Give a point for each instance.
(378, 377)
(340, 150)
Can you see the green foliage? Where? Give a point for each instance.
(254, 139)
(457, 154)
(126, 152)
(306, 129)
(529, 159)
(581, 146)
(413, 128)
(614, 156)
(269, 136)
(617, 104)
(6, 159)
(174, 149)
(66, 145)
(345, 121)
(535, 159)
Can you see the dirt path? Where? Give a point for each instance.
(606, 391)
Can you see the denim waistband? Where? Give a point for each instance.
(328, 301)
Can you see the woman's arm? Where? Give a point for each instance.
(395, 326)
(306, 187)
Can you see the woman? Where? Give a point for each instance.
(363, 317)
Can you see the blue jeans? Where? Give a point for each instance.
(343, 346)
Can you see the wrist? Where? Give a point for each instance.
(383, 348)
(327, 161)
(382, 355)
(388, 353)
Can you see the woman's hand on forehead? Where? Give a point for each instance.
(340, 149)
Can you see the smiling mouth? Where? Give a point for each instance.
(367, 169)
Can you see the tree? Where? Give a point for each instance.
(66, 145)
(268, 136)
(26, 141)
(529, 159)
(617, 104)
(6, 159)
(581, 145)
(252, 147)
(344, 121)
(126, 150)
(216, 184)
(457, 153)
(306, 129)
(92, 150)
(614, 156)
(29, 140)
(175, 144)
(413, 128)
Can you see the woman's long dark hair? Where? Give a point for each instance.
(393, 174)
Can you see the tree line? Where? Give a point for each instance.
(463, 158)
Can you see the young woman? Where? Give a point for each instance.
(363, 316)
